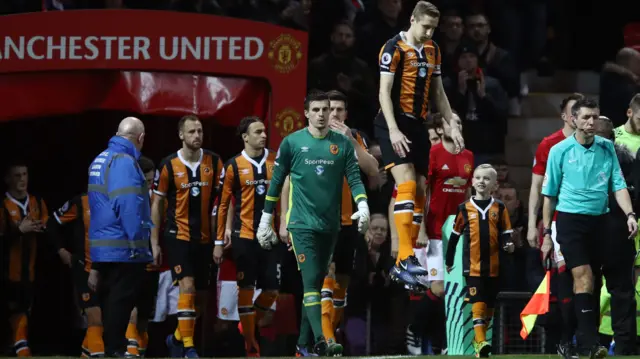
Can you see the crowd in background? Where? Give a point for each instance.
(487, 47)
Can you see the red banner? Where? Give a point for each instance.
(160, 41)
(147, 93)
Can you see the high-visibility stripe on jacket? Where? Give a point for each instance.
(120, 223)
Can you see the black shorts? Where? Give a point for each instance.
(86, 297)
(256, 266)
(290, 279)
(19, 296)
(190, 259)
(482, 290)
(343, 255)
(415, 130)
(581, 238)
(146, 302)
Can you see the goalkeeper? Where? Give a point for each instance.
(317, 160)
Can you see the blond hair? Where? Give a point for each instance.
(423, 8)
(488, 167)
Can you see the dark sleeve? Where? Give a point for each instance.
(504, 68)
(451, 249)
(506, 231)
(457, 100)
(54, 236)
(97, 266)
(458, 227)
(66, 214)
(9, 232)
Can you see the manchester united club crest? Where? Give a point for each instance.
(467, 168)
(333, 149)
(287, 121)
(472, 291)
(285, 53)
(86, 297)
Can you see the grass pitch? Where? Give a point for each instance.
(544, 356)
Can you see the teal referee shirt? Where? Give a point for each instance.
(581, 177)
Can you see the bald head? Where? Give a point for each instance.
(132, 129)
(604, 127)
(627, 55)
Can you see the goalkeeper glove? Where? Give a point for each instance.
(362, 216)
(265, 235)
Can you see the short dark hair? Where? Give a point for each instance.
(607, 122)
(573, 97)
(434, 121)
(450, 12)
(498, 161)
(583, 103)
(508, 185)
(346, 23)
(244, 124)
(477, 13)
(313, 96)
(146, 164)
(186, 118)
(424, 8)
(13, 163)
(634, 104)
(335, 95)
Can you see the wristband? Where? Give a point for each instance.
(547, 231)
(632, 214)
(218, 243)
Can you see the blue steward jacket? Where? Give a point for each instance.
(120, 225)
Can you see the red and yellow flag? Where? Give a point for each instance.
(538, 304)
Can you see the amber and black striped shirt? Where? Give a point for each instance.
(190, 190)
(486, 227)
(412, 68)
(76, 212)
(246, 180)
(19, 250)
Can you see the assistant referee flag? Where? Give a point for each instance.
(538, 304)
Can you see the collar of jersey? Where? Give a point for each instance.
(318, 137)
(596, 142)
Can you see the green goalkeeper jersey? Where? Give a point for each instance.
(622, 137)
(316, 166)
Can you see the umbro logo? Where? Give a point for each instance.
(179, 174)
(304, 149)
(445, 167)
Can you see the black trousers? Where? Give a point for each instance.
(120, 285)
(617, 270)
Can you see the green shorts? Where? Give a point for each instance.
(313, 250)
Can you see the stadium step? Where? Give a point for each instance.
(587, 82)
(541, 117)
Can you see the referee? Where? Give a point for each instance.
(581, 172)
